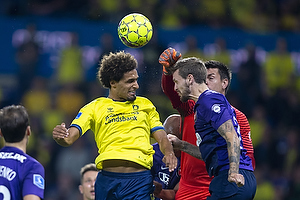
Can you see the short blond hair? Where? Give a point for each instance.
(86, 168)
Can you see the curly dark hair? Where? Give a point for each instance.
(114, 66)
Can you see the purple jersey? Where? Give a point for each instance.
(20, 175)
(161, 173)
(211, 111)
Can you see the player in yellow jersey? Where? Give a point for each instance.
(122, 124)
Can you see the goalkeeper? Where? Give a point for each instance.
(194, 182)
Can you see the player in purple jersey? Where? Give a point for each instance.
(217, 133)
(21, 176)
(166, 182)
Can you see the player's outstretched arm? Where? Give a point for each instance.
(184, 146)
(227, 131)
(63, 136)
(166, 148)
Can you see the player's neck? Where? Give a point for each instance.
(20, 145)
(197, 90)
(116, 99)
(223, 92)
(112, 96)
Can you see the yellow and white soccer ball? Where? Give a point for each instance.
(135, 30)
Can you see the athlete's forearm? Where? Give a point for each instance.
(62, 142)
(191, 149)
(65, 137)
(166, 194)
(184, 146)
(227, 131)
(164, 144)
(167, 85)
(166, 147)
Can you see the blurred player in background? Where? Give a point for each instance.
(21, 177)
(166, 183)
(122, 124)
(217, 133)
(88, 174)
(194, 182)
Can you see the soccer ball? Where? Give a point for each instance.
(135, 30)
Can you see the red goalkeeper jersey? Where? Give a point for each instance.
(245, 133)
(194, 182)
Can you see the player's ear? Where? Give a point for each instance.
(80, 189)
(112, 83)
(224, 83)
(190, 79)
(28, 131)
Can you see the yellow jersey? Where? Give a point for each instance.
(122, 130)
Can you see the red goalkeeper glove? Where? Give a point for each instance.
(168, 58)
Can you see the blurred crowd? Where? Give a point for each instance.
(271, 15)
(265, 84)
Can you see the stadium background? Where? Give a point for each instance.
(50, 51)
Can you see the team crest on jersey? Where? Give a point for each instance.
(135, 107)
(216, 108)
(164, 177)
(110, 110)
(38, 180)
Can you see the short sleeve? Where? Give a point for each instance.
(154, 118)
(34, 182)
(214, 110)
(83, 120)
